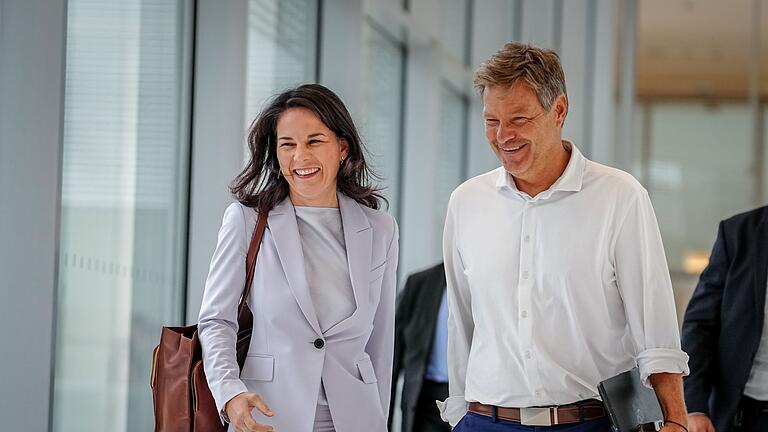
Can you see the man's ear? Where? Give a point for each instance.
(561, 109)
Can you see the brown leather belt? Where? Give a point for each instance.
(591, 409)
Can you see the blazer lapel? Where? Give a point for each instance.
(760, 266)
(285, 231)
(358, 239)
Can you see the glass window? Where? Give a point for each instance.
(693, 188)
(382, 128)
(282, 47)
(453, 28)
(451, 154)
(695, 124)
(123, 207)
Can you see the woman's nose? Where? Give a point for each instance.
(302, 152)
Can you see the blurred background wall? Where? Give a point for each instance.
(123, 122)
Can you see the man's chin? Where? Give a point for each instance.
(516, 170)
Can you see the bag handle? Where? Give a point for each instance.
(250, 264)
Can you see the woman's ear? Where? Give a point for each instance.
(344, 148)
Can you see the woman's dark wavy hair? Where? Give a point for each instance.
(260, 184)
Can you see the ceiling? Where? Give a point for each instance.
(699, 48)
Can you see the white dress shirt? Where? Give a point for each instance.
(757, 384)
(549, 295)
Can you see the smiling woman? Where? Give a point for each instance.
(309, 155)
(323, 292)
(303, 129)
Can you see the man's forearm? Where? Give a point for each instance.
(669, 390)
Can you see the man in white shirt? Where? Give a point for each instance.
(555, 268)
(726, 333)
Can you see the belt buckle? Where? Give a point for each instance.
(535, 416)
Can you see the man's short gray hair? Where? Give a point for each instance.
(539, 68)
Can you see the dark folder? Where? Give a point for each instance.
(631, 405)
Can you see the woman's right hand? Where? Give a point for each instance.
(239, 409)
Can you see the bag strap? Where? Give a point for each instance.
(250, 261)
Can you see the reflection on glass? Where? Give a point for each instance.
(692, 184)
(695, 133)
(450, 168)
(282, 42)
(122, 217)
(383, 106)
(453, 27)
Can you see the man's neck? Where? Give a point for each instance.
(546, 179)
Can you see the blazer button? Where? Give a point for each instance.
(319, 343)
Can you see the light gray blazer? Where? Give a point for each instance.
(283, 365)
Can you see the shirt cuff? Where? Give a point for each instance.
(452, 409)
(661, 360)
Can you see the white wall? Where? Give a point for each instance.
(32, 87)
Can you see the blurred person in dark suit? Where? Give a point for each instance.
(421, 338)
(725, 332)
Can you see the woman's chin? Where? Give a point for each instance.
(313, 196)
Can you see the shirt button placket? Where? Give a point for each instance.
(526, 285)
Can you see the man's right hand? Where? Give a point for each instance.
(700, 423)
(239, 409)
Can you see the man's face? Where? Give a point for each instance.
(524, 136)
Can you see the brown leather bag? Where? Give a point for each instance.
(182, 400)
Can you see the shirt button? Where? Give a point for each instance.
(524, 314)
(528, 354)
(319, 343)
(525, 275)
(527, 239)
(538, 393)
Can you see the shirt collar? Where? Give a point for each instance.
(570, 181)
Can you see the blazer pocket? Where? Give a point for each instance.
(377, 272)
(365, 367)
(258, 367)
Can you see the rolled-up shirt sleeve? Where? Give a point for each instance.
(460, 324)
(643, 280)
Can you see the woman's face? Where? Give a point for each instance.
(309, 155)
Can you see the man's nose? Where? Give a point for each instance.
(505, 133)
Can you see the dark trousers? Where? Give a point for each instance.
(473, 422)
(427, 416)
(752, 416)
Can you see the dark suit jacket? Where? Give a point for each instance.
(724, 319)
(415, 318)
